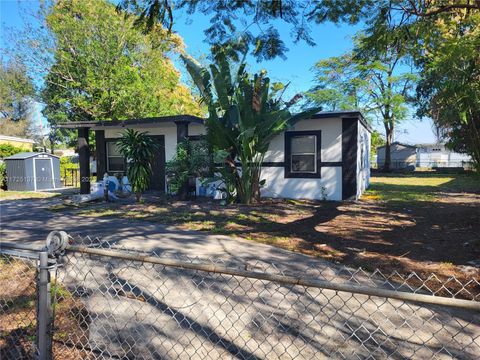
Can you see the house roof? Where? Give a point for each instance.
(26, 155)
(431, 144)
(139, 121)
(344, 114)
(14, 138)
(192, 119)
(399, 143)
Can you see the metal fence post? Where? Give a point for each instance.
(44, 310)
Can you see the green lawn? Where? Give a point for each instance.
(16, 195)
(419, 187)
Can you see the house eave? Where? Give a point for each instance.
(344, 114)
(142, 122)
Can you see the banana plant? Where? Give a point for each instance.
(244, 117)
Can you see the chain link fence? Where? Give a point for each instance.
(117, 303)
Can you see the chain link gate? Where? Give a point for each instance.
(92, 299)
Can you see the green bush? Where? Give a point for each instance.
(139, 149)
(3, 174)
(67, 164)
(191, 159)
(7, 150)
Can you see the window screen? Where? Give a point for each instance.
(304, 154)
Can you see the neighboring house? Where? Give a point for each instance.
(421, 155)
(325, 157)
(26, 144)
(437, 155)
(401, 156)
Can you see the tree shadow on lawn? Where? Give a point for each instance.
(422, 237)
(405, 236)
(424, 231)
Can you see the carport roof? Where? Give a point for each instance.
(129, 122)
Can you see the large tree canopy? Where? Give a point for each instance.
(450, 88)
(256, 21)
(103, 67)
(380, 85)
(16, 99)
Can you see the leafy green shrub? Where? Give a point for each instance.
(3, 174)
(7, 150)
(139, 149)
(66, 164)
(191, 160)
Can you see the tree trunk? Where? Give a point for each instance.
(138, 196)
(474, 134)
(388, 157)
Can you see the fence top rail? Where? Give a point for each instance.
(283, 279)
(17, 246)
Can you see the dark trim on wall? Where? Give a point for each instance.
(332, 163)
(273, 164)
(157, 181)
(349, 158)
(288, 151)
(282, 164)
(100, 154)
(132, 122)
(84, 160)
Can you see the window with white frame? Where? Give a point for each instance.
(115, 160)
(303, 154)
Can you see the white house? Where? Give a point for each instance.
(437, 155)
(422, 155)
(324, 157)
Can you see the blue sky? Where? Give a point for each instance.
(331, 40)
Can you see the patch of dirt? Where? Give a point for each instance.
(438, 236)
(18, 316)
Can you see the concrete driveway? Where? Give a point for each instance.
(144, 311)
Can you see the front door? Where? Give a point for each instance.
(43, 174)
(157, 181)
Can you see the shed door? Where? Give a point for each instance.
(158, 165)
(43, 174)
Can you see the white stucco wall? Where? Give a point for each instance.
(169, 130)
(329, 186)
(331, 139)
(363, 159)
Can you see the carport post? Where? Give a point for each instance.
(84, 159)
